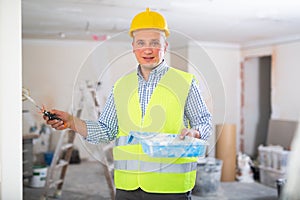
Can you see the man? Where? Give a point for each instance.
(156, 98)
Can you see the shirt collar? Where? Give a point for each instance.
(160, 69)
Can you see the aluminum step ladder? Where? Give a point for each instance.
(105, 157)
(59, 164)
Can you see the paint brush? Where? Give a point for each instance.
(48, 114)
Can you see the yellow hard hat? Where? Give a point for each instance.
(149, 20)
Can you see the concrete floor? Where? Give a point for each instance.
(86, 181)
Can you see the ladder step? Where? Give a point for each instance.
(66, 146)
(108, 147)
(110, 167)
(53, 183)
(61, 163)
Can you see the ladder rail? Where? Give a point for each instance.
(106, 166)
(50, 174)
(50, 183)
(67, 157)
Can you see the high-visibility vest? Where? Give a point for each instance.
(164, 114)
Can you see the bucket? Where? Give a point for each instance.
(208, 177)
(39, 176)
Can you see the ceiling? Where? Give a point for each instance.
(230, 21)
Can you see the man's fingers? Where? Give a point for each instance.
(189, 132)
(56, 124)
(197, 135)
(63, 126)
(183, 133)
(61, 123)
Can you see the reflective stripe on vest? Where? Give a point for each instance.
(141, 166)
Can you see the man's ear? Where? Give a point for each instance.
(132, 46)
(166, 46)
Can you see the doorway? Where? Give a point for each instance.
(256, 103)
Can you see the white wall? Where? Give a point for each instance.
(10, 98)
(219, 64)
(251, 113)
(285, 78)
(50, 69)
(286, 96)
(227, 62)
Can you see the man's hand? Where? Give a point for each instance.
(189, 132)
(65, 122)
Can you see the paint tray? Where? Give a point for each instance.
(169, 145)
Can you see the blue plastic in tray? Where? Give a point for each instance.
(169, 145)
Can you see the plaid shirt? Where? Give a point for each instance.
(195, 112)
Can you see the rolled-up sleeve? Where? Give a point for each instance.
(197, 113)
(106, 128)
